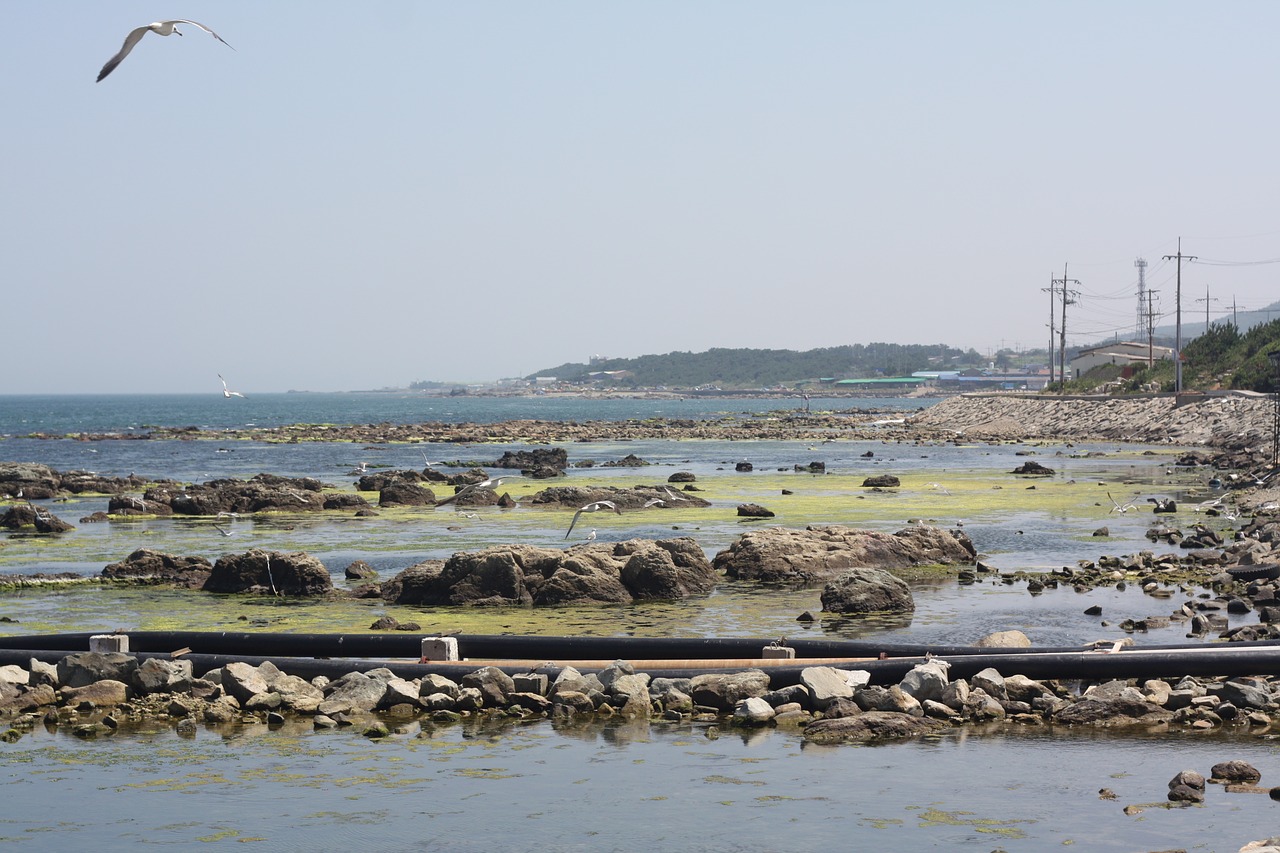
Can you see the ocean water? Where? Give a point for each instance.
(85, 413)
(606, 785)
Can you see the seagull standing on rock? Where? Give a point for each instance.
(160, 28)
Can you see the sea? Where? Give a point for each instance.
(607, 784)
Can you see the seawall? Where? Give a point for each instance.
(1232, 421)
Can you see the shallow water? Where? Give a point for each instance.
(622, 786)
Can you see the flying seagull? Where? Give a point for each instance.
(227, 392)
(1120, 507)
(594, 506)
(160, 28)
(491, 483)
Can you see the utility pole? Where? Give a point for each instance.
(1052, 328)
(1151, 332)
(1177, 299)
(1206, 302)
(1067, 299)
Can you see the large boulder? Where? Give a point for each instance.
(633, 498)
(817, 555)
(538, 457)
(400, 492)
(604, 573)
(723, 691)
(84, 668)
(147, 566)
(260, 493)
(270, 572)
(20, 516)
(871, 726)
(867, 591)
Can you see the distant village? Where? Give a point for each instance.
(1128, 355)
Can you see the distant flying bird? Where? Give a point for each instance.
(222, 530)
(227, 392)
(491, 483)
(594, 506)
(654, 502)
(160, 28)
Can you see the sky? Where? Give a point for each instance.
(365, 195)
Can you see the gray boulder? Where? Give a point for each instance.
(817, 555)
(926, 681)
(871, 726)
(156, 675)
(723, 691)
(84, 668)
(867, 591)
(494, 685)
(354, 691)
(603, 573)
(270, 572)
(825, 684)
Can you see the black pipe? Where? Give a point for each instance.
(488, 646)
(1228, 660)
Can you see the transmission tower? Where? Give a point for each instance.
(1141, 264)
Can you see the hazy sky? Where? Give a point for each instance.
(362, 195)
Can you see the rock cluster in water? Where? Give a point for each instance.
(96, 692)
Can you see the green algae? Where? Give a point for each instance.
(938, 496)
(932, 816)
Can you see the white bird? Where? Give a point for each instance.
(654, 502)
(227, 392)
(160, 28)
(591, 537)
(491, 483)
(222, 530)
(673, 496)
(594, 506)
(1118, 507)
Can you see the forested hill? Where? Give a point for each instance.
(766, 367)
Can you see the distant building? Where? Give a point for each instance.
(882, 382)
(1123, 353)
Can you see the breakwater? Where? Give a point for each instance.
(1229, 422)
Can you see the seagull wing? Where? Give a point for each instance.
(575, 521)
(201, 26)
(129, 41)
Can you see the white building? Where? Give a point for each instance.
(1117, 352)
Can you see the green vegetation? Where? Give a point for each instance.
(755, 368)
(1222, 358)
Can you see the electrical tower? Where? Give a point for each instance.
(1143, 307)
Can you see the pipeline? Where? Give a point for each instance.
(1230, 660)
(491, 646)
